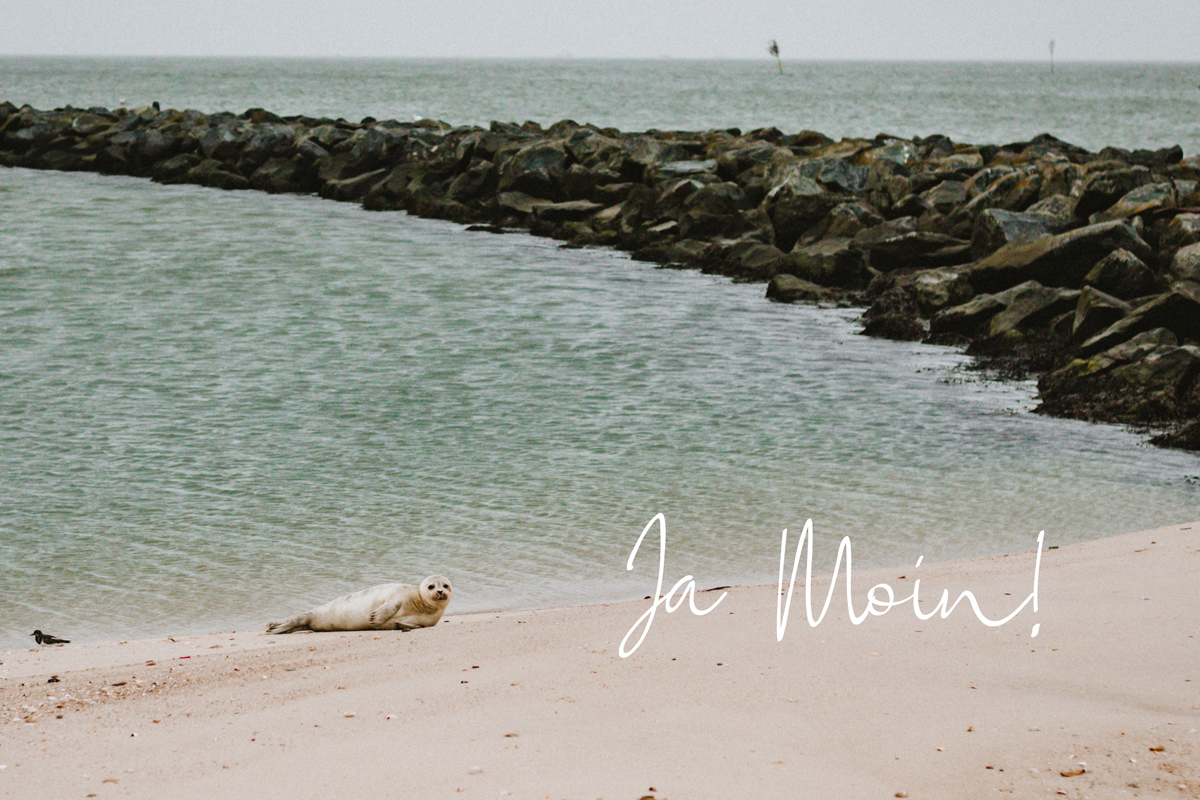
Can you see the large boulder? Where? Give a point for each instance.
(1102, 188)
(835, 174)
(215, 174)
(1178, 311)
(264, 142)
(971, 317)
(1137, 348)
(713, 210)
(946, 196)
(1060, 208)
(1145, 198)
(942, 287)
(479, 179)
(746, 259)
(1031, 307)
(796, 204)
(784, 288)
(640, 156)
(1141, 380)
(174, 169)
(996, 227)
(887, 248)
(1185, 265)
(223, 141)
(1182, 230)
(567, 211)
(1171, 369)
(580, 181)
(279, 175)
(1124, 275)
(845, 220)
(895, 315)
(521, 203)
(1094, 312)
(1060, 260)
(829, 262)
(536, 170)
(353, 188)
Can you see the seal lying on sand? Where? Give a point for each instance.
(389, 606)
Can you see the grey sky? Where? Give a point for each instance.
(1105, 30)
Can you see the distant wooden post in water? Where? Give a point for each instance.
(1051, 56)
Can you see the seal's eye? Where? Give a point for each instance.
(431, 586)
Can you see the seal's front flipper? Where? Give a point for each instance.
(386, 611)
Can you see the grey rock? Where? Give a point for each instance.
(935, 289)
(895, 315)
(1177, 310)
(535, 169)
(1032, 307)
(679, 169)
(1181, 231)
(969, 318)
(213, 173)
(1185, 265)
(222, 142)
(1171, 369)
(1060, 208)
(784, 288)
(829, 262)
(946, 196)
(479, 179)
(569, 211)
(1094, 312)
(751, 260)
(1138, 201)
(1121, 274)
(835, 174)
(520, 202)
(846, 220)
(996, 227)
(1151, 341)
(279, 175)
(1060, 260)
(886, 251)
(1101, 189)
(354, 188)
(712, 210)
(797, 204)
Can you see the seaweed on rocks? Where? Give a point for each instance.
(1040, 257)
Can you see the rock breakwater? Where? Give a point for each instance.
(1039, 257)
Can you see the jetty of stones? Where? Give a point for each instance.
(1039, 257)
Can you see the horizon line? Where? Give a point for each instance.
(568, 57)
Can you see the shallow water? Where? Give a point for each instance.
(220, 407)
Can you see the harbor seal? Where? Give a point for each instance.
(389, 606)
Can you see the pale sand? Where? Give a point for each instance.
(538, 704)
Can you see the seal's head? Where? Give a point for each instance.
(435, 590)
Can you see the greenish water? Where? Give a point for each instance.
(217, 407)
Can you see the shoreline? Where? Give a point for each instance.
(537, 702)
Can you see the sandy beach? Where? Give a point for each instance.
(1103, 702)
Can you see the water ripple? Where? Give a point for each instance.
(219, 407)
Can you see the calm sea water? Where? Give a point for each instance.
(220, 407)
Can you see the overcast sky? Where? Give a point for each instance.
(1101, 30)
